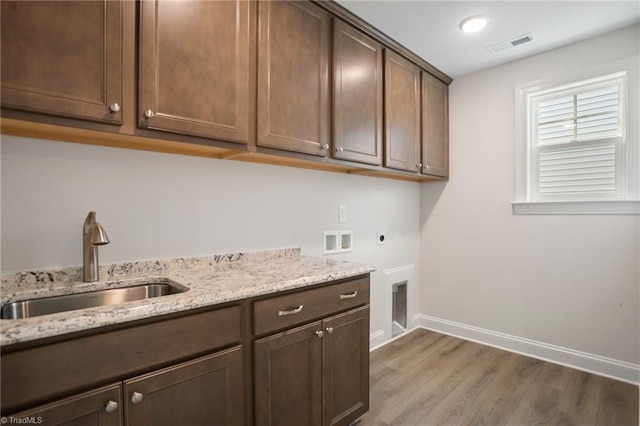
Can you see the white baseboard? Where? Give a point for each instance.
(596, 364)
(377, 339)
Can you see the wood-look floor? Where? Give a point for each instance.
(426, 378)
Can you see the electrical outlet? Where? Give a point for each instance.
(382, 238)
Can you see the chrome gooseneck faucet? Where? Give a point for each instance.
(93, 235)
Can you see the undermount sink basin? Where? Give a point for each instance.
(72, 302)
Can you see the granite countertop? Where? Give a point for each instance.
(208, 280)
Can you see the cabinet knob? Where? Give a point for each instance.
(319, 334)
(111, 407)
(339, 149)
(148, 113)
(114, 107)
(136, 397)
(419, 165)
(330, 330)
(325, 146)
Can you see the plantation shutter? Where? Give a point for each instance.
(577, 138)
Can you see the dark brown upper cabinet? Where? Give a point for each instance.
(435, 126)
(194, 68)
(357, 96)
(63, 58)
(402, 113)
(293, 77)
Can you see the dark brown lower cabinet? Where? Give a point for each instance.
(99, 407)
(345, 355)
(317, 374)
(205, 391)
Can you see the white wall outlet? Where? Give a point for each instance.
(342, 214)
(381, 239)
(330, 242)
(346, 241)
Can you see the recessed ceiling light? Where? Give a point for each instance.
(474, 23)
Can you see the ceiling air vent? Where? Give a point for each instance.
(516, 41)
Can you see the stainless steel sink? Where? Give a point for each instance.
(71, 302)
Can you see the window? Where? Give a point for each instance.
(574, 148)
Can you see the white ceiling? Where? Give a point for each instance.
(430, 28)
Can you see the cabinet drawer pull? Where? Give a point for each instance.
(291, 312)
(114, 107)
(136, 397)
(111, 407)
(330, 330)
(349, 296)
(319, 334)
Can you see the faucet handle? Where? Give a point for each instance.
(94, 230)
(99, 235)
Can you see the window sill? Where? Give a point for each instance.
(622, 207)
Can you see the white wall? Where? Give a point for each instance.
(571, 281)
(158, 205)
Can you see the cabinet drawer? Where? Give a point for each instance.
(43, 372)
(285, 311)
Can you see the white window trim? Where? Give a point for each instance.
(628, 206)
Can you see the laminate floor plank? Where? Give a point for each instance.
(432, 383)
(555, 376)
(387, 395)
(515, 377)
(430, 379)
(618, 405)
(539, 406)
(581, 399)
(468, 396)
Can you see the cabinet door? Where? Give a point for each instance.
(63, 58)
(402, 113)
(293, 73)
(435, 126)
(205, 391)
(346, 366)
(288, 369)
(357, 96)
(100, 407)
(194, 67)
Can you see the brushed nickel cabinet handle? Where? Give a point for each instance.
(340, 149)
(325, 146)
(330, 330)
(114, 107)
(291, 312)
(136, 397)
(319, 334)
(111, 407)
(148, 113)
(349, 296)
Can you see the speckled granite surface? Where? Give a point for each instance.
(207, 280)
